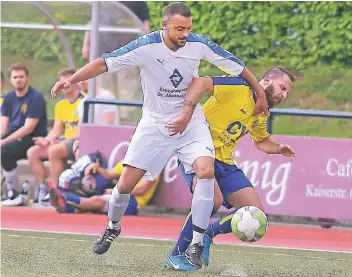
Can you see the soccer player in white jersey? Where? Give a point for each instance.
(168, 60)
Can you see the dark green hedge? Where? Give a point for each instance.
(297, 34)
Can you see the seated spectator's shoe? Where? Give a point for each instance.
(194, 254)
(106, 238)
(56, 200)
(15, 199)
(207, 241)
(179, 262)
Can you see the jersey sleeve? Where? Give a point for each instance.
(222, 58)
(126, 56)
(118, 168)
(259, 132)
(227, 87)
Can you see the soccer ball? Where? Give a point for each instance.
(249, 224)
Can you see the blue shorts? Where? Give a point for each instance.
(229, 177)
(132, 208)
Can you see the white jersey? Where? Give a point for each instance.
(166, 74)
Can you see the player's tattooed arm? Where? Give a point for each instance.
(189, 104)
(194, 93)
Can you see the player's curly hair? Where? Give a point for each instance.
(177, 8)
(278, 71)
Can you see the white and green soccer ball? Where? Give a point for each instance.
(249, 224)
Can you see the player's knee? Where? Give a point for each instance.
(57, 152)
(116, 194)
(128, 180)
(125, 188)
(205, 172)
(32, 154)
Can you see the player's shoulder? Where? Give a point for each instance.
(35, 93)
(137, 44)
(229, 81)
(193, 37)
(61, 102)
(150, 38)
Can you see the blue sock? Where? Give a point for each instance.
(70, 197)
(186, 236)
(222, 226)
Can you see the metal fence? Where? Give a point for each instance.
(273, 112)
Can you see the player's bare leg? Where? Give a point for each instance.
(118, 203)
(201, 208)
(245, 197)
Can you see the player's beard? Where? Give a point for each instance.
(176, 42)
(21, 87)
(269, 92)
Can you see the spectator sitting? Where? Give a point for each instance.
(23, 116)
(52, 147)
(140, 196)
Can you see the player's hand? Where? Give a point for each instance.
(92, 168)
(41, 141)
(287, 151)
(54, 141)
(58, 86)
(179, 124)
(262, 106)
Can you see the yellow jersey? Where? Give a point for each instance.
(67, 112)
(230, 114)
(1, 100)
(144, 199)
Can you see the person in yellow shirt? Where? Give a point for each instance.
(140, 196)
(230, 112)
(57, 145)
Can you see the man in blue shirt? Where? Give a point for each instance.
(23, 116)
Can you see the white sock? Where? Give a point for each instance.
(11, 178)
(117, 206)
(202, 206)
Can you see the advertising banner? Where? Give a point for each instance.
(317, 183)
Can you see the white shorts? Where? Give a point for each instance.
(152, 146)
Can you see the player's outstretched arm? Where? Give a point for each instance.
(88, 71)
(194, 93)
(270, 146)
(232, 65)
(262, 105)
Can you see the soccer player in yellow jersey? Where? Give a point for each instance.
(140, 196)
(52, 147)
(230, 113)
